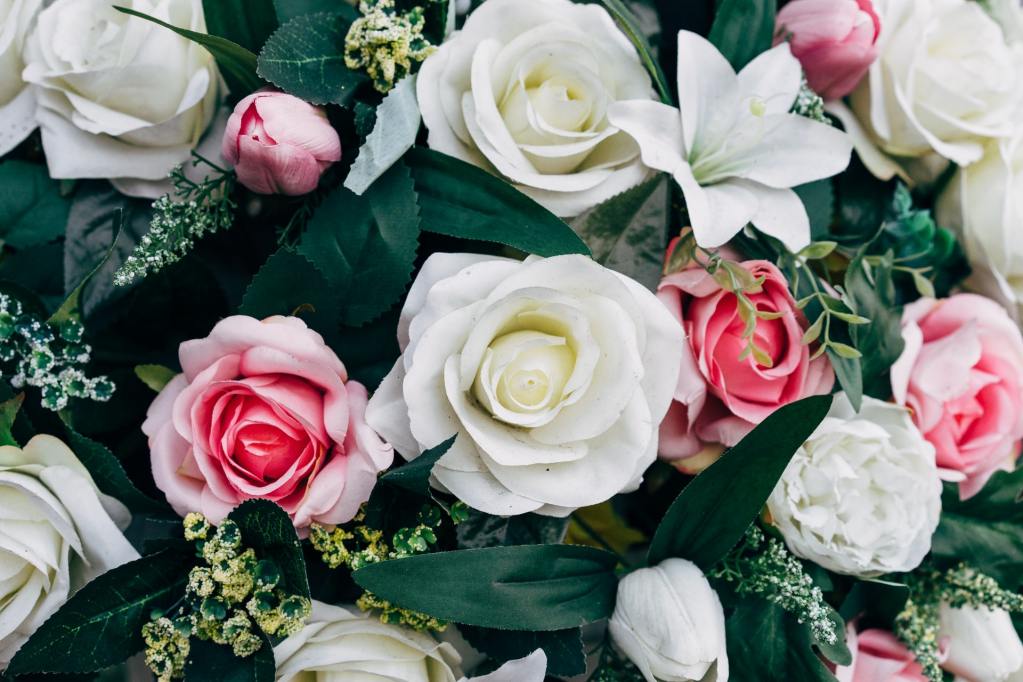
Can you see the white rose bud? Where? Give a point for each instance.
(119, 96)
(336, 644)
(862, 495)
(523, 90)
(668, 621)
(553, 372)
(58, 532)
(17, 105)
(982, 644)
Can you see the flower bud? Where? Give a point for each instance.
(982, 643)
(668, 621)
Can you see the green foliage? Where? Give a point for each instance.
(627, 232)
(367, 242)
(394, 132)
(267, 529)
(32, 210)
(208, 661)
(289, 9)
(237, 64)
(566, 656)
(154, 376)
(415, 475)
(245, 22)
(871, 293)
(522, 587)
(483, 530)
(101, 624)
(766, 644)
(461, 200)
(305, 57)
(742, 29)
(70, 309)
(8, 413)
(630, 26)
(985, 531)
(819, 200)
(289, 283)
(712, 513)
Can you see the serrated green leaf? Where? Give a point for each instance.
(393, 134)
(742, 29)
(155, 376)
(630, 26)
(522, 587)
(71, 307)
(305, 57)
(32, 210)
(711, 514)
(461, 200)
(287, 282)
(268, 530)
(766, 643)
(237, 64)
(289, 9)
(101, 624)
(566, 656)
(211, 662)
(8, 413)
(415, 475)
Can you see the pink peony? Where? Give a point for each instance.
(279, 144)
(720, 398)
(834, 40)
(878, 656)
(961, 373)
(264, 409)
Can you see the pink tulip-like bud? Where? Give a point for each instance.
(279, 144)
(834, 40)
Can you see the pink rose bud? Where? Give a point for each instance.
(878, 656)
(961, 373)
(834, 40)
(279, 144)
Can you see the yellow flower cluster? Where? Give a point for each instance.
(385, 44)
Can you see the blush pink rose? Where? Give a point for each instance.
(264, 409)
(834, 40)
(961, 373)
(878, 656)
(279, 144)
(720, 398)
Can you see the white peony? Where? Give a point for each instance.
(17, 105)
(981, 644)
(984, 202)
(57, 532)
(862, 495)
(523, 90)
(945, 80)
(554, 373)
(668, 621)
(336, 644)
(119, 96)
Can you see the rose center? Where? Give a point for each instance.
(526, 371)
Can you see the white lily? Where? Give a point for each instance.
(733, 147)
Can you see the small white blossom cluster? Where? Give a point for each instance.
(34, 353)
(809, 104)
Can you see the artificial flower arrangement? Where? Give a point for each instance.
(511, 340)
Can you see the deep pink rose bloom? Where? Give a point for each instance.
(834, 40)
(264, 409)
(878, 656)
(279, 144)
(962, 375)
(720, 398)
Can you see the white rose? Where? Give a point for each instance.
(554, 373)
(119, 96)
(862, 495)
(523, 90)
(336, 644)
(984, 202)
(944, 81)
(17, 106)
(668, 621)
(982, 644)
(58, 532)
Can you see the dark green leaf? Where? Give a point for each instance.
(627, 232)
(461, 200)
(71, 307)
(247, 23)
(985, 531)
(367, 242)
(237, 64)
(484, 530)
(32, 210)
(289, 9)
(819, 199)
(872, 295)
(415, 476)
(210, 662)
(566, 656)
(268, 530)
(711, 513)
(101, 624)
(290, 282)
(765, 644)
(630, 26)
(305, 57)
(742, 29)
(878, 600)
(8, 413)
(109, 475)
(523, 587)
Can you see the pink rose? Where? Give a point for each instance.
(834, 40)
(279, 144)
(961, 373)
(720, 398)
(264, 409)
(878, 656)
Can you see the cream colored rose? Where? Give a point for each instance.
(119, 96)
(17, 105)
(523, 91)
(553, 372)
(57, 532)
